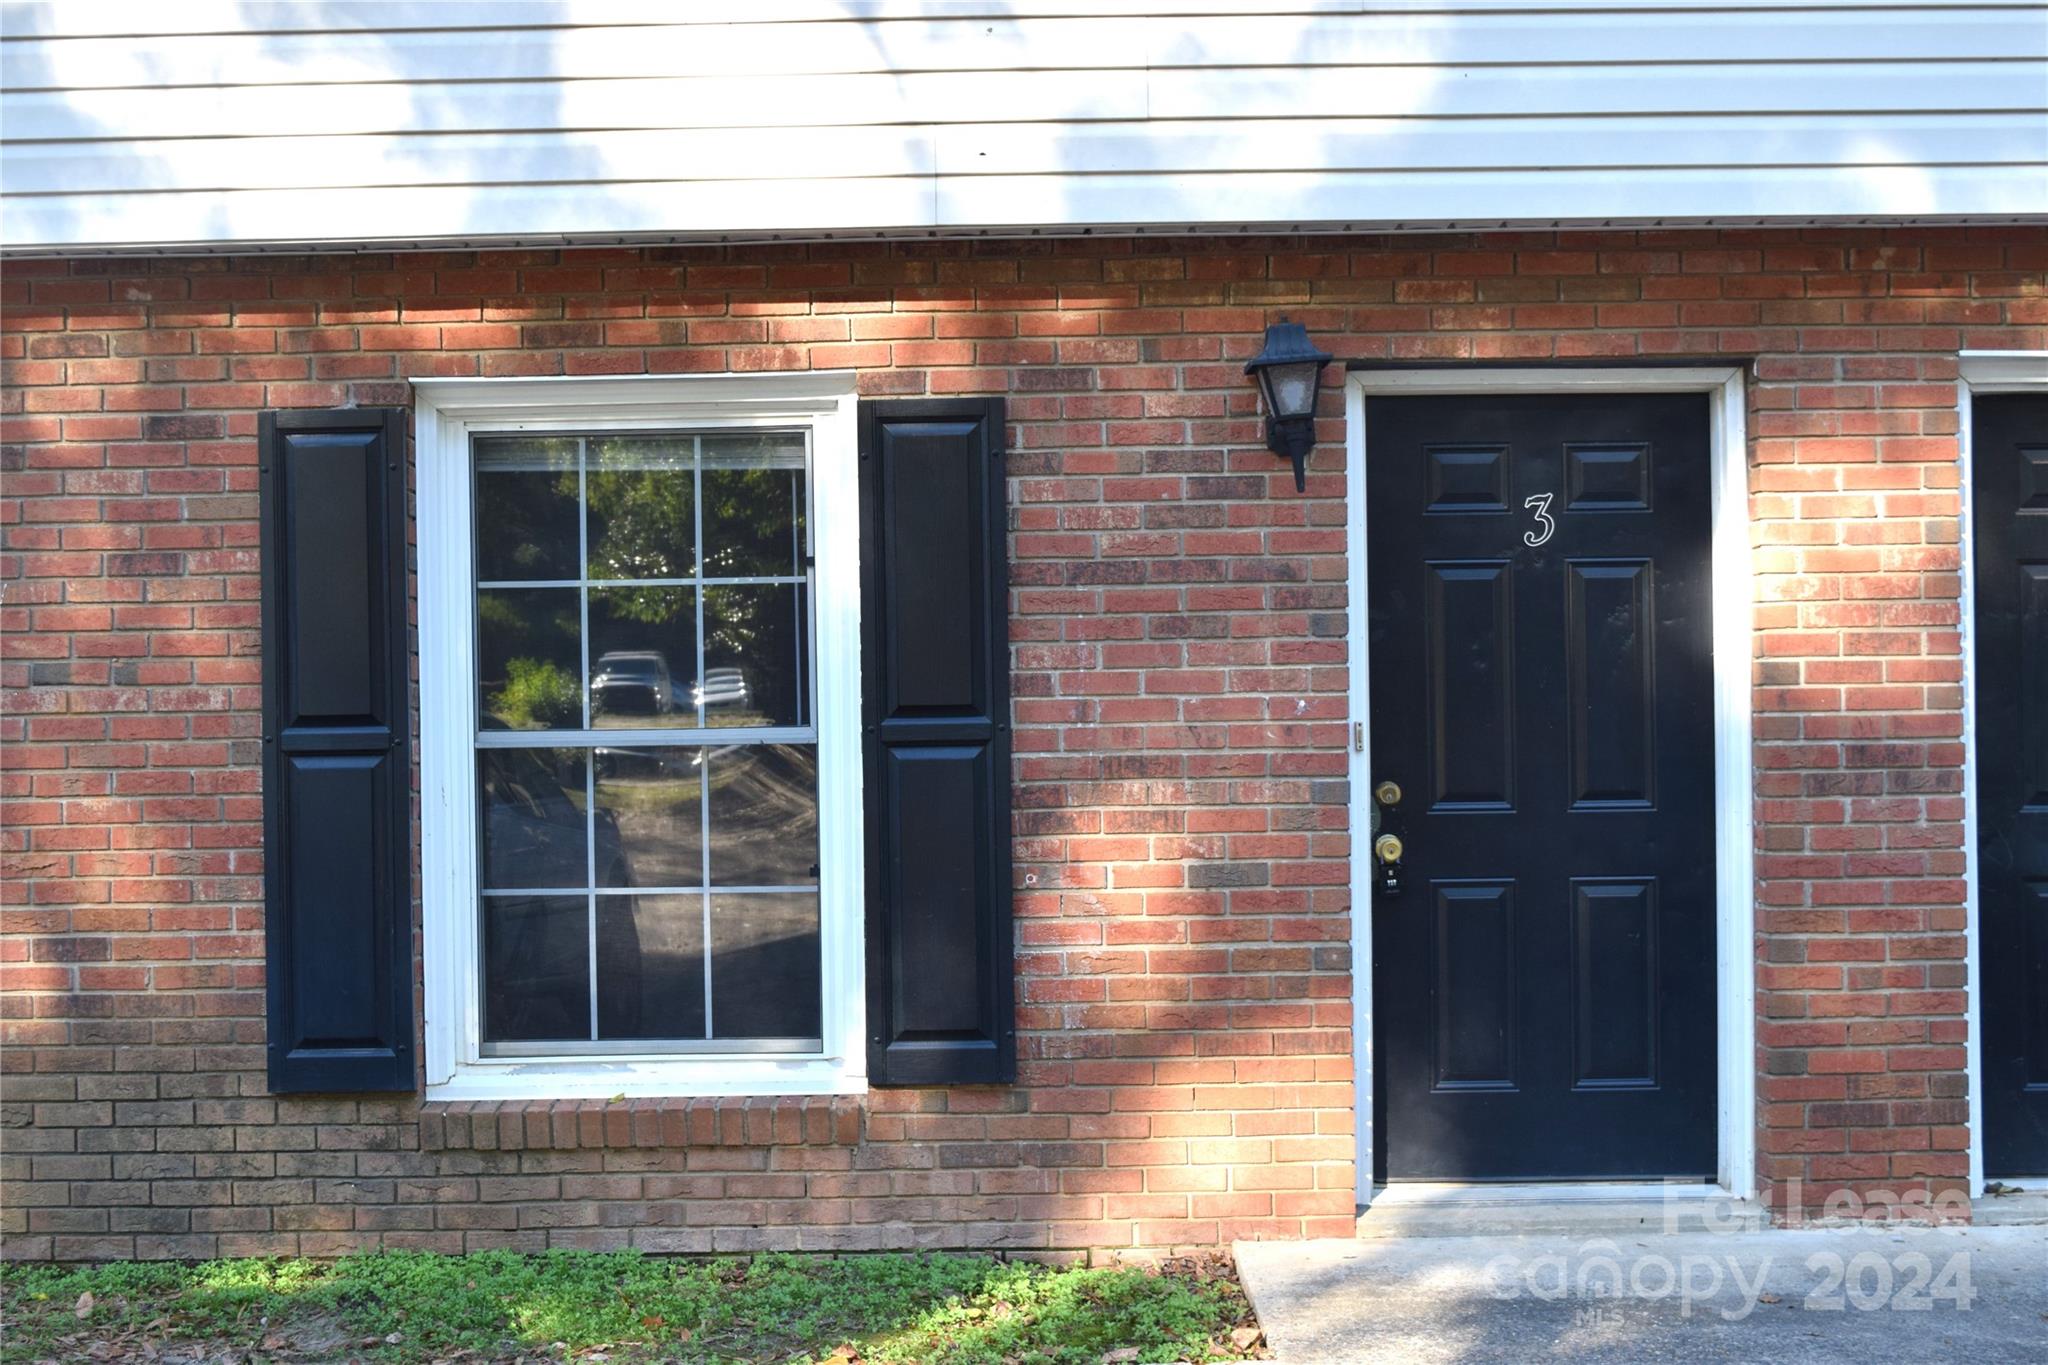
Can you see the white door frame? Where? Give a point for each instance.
(1979, 372)
(1734, 862)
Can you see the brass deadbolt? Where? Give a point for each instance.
(1387, 793)
(1387, 848)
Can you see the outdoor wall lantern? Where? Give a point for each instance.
(1289, 371)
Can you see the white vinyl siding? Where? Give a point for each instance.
(215, 124)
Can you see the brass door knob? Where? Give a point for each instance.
(1387, 793)
(1387, 848)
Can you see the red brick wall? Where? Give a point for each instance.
(1180, 679)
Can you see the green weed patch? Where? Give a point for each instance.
(398, 1307)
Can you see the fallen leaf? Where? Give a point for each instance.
(1244, 1338)
(83, 1308)
(1768, 1298)
(1120, 1354)
(653, 1320)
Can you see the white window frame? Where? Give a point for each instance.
(447, 413)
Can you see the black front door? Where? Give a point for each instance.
(2009, 498)
(1539, 592)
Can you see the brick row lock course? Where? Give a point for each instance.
(1180, 719)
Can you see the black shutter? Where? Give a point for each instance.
(337, 788)
(935, 705)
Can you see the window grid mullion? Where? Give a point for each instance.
(583, 570)
(645, 739)
(798, 530)
(589, 756)
(527, 892)
(704, 765)
(697, 569)
(739, 580)
(589, 891)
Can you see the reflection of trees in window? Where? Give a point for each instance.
(642, 523)
(526, 506)
(638, 495)
(528, 665)
(537, 695)
(753, 518)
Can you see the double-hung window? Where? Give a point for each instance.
(639, 710)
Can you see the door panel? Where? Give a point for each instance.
(1614, 982)
(2009, 498)
(1476, 1029)
(1472, 664)
(1609, 638)
(2033, 1023)
(1542, 691)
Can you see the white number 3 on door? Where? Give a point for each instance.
(1539, 503)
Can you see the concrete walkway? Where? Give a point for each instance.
(1900, 1294)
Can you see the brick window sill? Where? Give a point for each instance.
(534, 1125)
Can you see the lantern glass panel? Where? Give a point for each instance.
(1291, 389)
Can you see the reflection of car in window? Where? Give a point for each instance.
(632, 682)
(720, 687)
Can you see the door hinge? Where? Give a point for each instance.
(1357, 736)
